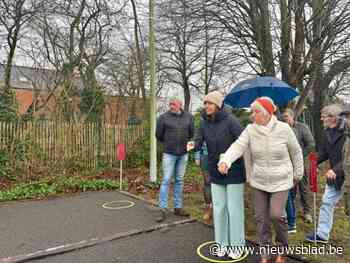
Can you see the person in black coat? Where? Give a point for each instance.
(219, 130)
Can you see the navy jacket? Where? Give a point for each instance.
(219, 134)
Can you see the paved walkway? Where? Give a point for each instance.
(125, 235)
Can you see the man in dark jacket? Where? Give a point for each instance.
(307, 144)
(331, 150)
(174, 129)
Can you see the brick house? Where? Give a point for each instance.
(33, 86)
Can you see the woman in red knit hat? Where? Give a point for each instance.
(276, 164)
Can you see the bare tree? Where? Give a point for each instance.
(76, 36)
(304, 41)
(178, 36)
(139, 54)
(14, 17)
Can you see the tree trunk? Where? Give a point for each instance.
(139, 61)
(187, 96)
(285, 39)
(8, 67)
(299, 47)
(317, 61)
(316, 112)
(262, 34)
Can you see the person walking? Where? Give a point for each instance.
(277, 164)
(307, 144)
(219, 129)
(332, 150)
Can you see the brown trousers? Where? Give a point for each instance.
(270, 209)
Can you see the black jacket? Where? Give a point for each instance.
(332, 149)
(219, 134)
(174, 131)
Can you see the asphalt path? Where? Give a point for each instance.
(126, 233)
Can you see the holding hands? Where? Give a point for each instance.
(190, 146)
(223, 168)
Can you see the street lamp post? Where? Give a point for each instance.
(152, 52)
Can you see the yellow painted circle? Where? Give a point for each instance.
(199, 253)
(127, 203)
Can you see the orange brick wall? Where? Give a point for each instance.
(117, 109)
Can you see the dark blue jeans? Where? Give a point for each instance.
(290, 209)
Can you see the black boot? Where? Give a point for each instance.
(180, 212)
(162, 216)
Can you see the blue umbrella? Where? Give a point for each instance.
(246, 91)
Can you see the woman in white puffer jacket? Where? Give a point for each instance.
(276, 165)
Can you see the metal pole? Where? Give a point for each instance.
(152, 52)
(121, 176)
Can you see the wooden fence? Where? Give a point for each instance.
(61, 141)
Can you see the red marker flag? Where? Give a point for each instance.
(313, 172)
(121, 152)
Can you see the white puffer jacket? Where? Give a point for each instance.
(276, 156)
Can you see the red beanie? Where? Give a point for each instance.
(267, 105)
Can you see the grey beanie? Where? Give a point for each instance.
(215, 97)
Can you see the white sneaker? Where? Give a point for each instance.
(235, 254)
(221, 253)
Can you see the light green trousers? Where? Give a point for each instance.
(228, 206)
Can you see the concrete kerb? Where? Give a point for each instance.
(62, 249)
(206, 225)
(89, 243)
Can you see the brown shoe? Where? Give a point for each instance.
(208, 214)
(180, 212)
(280, 259)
